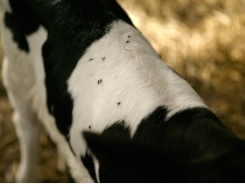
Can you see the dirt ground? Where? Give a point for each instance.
(202, 40)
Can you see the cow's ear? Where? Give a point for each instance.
(124, 160)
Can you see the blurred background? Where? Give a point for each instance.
(204, 41)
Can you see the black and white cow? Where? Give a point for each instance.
(81, 66)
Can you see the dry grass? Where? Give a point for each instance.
(202, 40)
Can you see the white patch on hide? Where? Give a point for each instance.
(123, 67)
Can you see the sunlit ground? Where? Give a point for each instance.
(202, 40)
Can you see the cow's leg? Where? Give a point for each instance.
(19, 83)
(61, 162)
(27, 130)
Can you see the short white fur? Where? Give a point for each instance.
(131, 73)
(24, 83)
(120, 77)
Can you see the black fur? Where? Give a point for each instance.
(125, 160)
(193, 139)
(117, 129)
(72, 27)
(88, 162)
(192, 133)
(22, 22)
(191, 146)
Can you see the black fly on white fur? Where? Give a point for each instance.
(163, 132)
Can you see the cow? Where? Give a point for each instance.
(82, 70)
